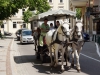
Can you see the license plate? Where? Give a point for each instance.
(30, 41)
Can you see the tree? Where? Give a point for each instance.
(78, 13)
(1, 22)
(27, 15)
(10, 7)
(39, 5)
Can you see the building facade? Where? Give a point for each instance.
(15, 22)
(59, 4)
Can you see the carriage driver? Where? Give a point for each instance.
(44, 29)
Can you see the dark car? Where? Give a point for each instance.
(86, 36)
(7, 33)
(18, 32)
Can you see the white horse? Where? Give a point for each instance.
(77, 40)
(55, 39)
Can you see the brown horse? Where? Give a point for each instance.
(36, 35)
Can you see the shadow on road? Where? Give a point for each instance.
(24, 43)
(1, 46)
(41, 67)
(24, 59)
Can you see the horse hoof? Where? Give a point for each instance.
(78, 70)
(51, 65)
(62, 70)
(69, 67)
(72, 65)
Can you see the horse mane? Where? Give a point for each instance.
(38, 30)
(71, 33)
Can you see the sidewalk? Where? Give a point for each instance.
(5, 56)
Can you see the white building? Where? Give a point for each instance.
(15, 22)
(59, 4)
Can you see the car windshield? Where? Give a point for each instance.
(25, 33)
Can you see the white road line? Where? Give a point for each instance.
(97, 49)
(90, 57)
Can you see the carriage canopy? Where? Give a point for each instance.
(51, 15)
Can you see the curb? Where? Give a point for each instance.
(8, 64)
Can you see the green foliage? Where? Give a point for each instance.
(78, 13)
(27, 15)
(10, 7)
(1, 22)
(39, 5)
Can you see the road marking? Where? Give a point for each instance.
(97, 49)
(90, 57)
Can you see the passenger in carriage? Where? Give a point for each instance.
(51, 26)
(57, 24)
(44, 29)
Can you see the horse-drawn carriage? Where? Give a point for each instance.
(60, 38)
(42, 51)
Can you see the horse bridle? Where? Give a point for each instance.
(75, 34)
(64, 32)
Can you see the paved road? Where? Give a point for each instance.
(24, 62)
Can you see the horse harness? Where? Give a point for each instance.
(75, 38)
(57, 39)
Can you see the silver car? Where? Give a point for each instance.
(18, 32)
(26, 37)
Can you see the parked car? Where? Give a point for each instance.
(86, 36)
(26, 37)
(18, 32)
(7, 33)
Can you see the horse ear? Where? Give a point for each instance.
(81, 20)
(61, 23)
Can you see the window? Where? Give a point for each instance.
(50, 0)
(24, 33)
(23, 10)
(14, 25)
(61, 1)
(24, 25)
(2, 26)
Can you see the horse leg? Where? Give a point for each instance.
(67, 57)
(56, 56)
(72, 62)
(78, 64)
(35, 45)
(50, 50)
(73, 52)
(62, 66)
(77, 61)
